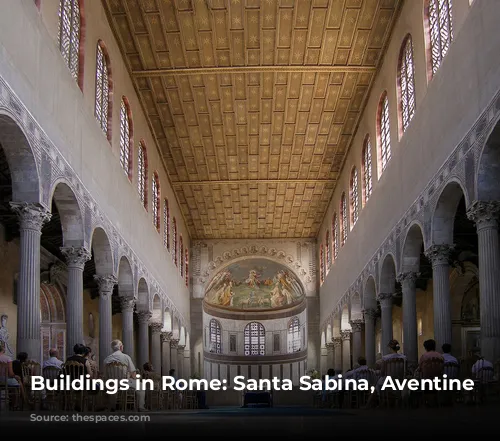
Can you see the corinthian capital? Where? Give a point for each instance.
(127, 304)
(76, 256)
(408, 278)
(357, 325)
(106, 284)
(155, 327)
(30, 216)
(385, 299)
(484, 214)
(165, 337)
(337, 341)
(439, 254)
(345, 334)
(370, 314)
(174, 343)
(144, 317)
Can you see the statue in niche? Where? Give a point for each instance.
(4, 335)
(470, 302)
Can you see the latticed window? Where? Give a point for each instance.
(125, 137)
(367, 169)
(215, 337)
(69, 35)
(142, 174)
(328, 248)
(255, 339)
(166, 225)
(343, 219)
(102, 88)
(407, 83)
(294, 335)
(174, 240)
(354, 196)
(321, 264)
(439, 15)
(186, 269)
(335, 243)
(155, 192)
(384, 132)
(181, 261)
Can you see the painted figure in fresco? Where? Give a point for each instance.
(5, 336)
(227, 295)
(253, 279)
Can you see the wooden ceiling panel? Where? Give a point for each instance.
(253, 103)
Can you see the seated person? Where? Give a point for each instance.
(17, 365)
(448, 358)
(480, 365)
(79, 356)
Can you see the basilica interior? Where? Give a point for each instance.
(257, 188)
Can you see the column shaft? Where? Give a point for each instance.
(173, 355)
(156, 346)
(337, 345)
(186, 370)
(408, 282)
(105, 285)
(180, 361)
(346, 350)
(165, 363)
(127, 307)
(485, 215)
(439, 255)
(357, 328)
(330, 356)
(143, 343)
(31, 219)
(75, 258)
(370, 317)
(385, 300)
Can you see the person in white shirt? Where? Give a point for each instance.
(448, 358)
(480, 365)
(53, 361)
(120, 357)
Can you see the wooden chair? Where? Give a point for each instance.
(483, 383)
(123, 399)
(154, 398)
(52, 397)
(452, 371)
(431, 368)
(396, 369)
(359, 398)
(10, 395)
(191, 400)
(73, 399)
(29, 369)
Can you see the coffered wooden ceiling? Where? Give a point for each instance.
(253, 103)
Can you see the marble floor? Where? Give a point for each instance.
(290, 423)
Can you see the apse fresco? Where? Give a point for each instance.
(255, 284)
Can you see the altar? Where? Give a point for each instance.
(261, 398)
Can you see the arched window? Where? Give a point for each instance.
(155, 192)
(343, 219)
(70, 37)
(335, 232)
(126, 132)
(255, 339)
(103, 89)
(440, 30)
(328, 248)
(186, 269)
(166, 224)
(367, 169)
(354, 196)
(181, 252)
(294, 335)
(215, 337)
(174, 239)
(406, 80)
(142, 174)
(384, 132)
(321, 264)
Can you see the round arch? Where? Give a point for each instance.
(412, 248)
(103, 255)
(388, 274)
(355, 302)
(125, 278)
(370, 293)
(142, 295)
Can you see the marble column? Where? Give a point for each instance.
(143, 343)
(346, 350)
(156, 345)
(165, 351)
(173, 355)
(337, 349)
(76, 257)
(127, 308)
(370, 316)
(31, 219)
(385, 300)
(485, 216)
(323, 361)
(330, 355)
(186, 370)
(180, 361)
(439, 256)
(357, 342)
(408, 282)
(105, 285)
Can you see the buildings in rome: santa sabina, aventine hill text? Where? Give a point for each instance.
(256, 188)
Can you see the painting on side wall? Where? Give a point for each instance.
(254, 284)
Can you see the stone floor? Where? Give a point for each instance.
(290, 423)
